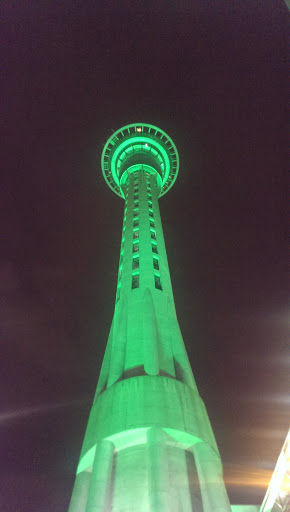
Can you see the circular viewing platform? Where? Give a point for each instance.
(136, 145)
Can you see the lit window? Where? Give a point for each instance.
(135, 281)
(139, 129)
(155, 263)
(135, 235)
(136, 247)
(157, 282)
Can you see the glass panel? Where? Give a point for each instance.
(157, 282)
(135, 281)
(156, 263)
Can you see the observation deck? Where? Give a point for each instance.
(140, 144)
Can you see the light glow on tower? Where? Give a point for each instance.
(149, 445)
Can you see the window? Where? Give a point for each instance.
(150, 203)
(152, 223)
(136, 247)
(153, 235)
(136, 234)
(135, 222)
(154, 249)
(135, 281)
(155, 263)
(135, 262)
(151, 214)
(157, 282)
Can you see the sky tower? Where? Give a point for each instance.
(149, 445)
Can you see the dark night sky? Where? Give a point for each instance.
(213, 75)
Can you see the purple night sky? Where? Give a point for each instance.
(212, 74)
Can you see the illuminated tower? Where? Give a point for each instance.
(149, 446)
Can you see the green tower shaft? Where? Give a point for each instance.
(149, 446)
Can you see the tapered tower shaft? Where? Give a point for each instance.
(149, 446)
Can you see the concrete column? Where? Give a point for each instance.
(99, 492)
(209, 469)
(158, 478)
(79, 497)
(185, 500)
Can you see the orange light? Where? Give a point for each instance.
(139, 129)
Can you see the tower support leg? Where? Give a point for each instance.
(209, 468)
(159, 486)
(99, 492)
(79, 497)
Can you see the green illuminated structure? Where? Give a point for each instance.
(149, 445)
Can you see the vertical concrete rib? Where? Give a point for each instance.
(101, 479)
(118, 352)
(158, 477)
(103, 379)
(182, 365)
(150, 336)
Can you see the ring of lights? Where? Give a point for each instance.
(144, 139)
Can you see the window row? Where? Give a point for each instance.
(122, 245)
(157, 278)
(136, 281)
(135, 259)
